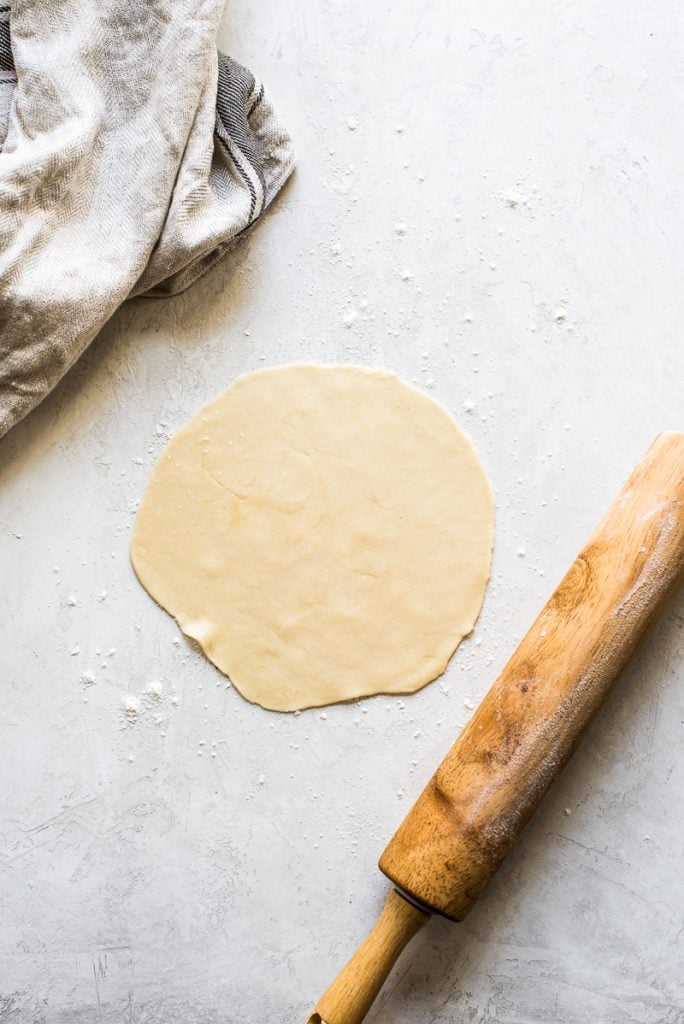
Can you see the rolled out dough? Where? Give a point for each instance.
(324, 533)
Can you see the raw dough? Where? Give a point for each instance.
(323, 532)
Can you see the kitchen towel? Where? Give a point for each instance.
(132, 156)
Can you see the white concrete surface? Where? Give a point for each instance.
(204, 861)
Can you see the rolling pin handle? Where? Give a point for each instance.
(351, 994)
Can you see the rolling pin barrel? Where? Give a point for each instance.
(457, 834)
(469, 815)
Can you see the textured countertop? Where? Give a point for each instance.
(488, 201)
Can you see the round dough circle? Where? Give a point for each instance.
(324, 533)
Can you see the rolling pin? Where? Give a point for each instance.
(489, 784)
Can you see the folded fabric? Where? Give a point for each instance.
(132, 156)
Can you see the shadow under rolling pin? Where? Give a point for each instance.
(490, 783)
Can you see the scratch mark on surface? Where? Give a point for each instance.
(97, 990)
(55, 819)
(587, 849)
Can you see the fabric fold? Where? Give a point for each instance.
(132, 156)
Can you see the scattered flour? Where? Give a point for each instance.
(131, 706)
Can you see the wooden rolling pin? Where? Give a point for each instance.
(471, 812)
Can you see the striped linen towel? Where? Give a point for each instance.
(132, 156)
